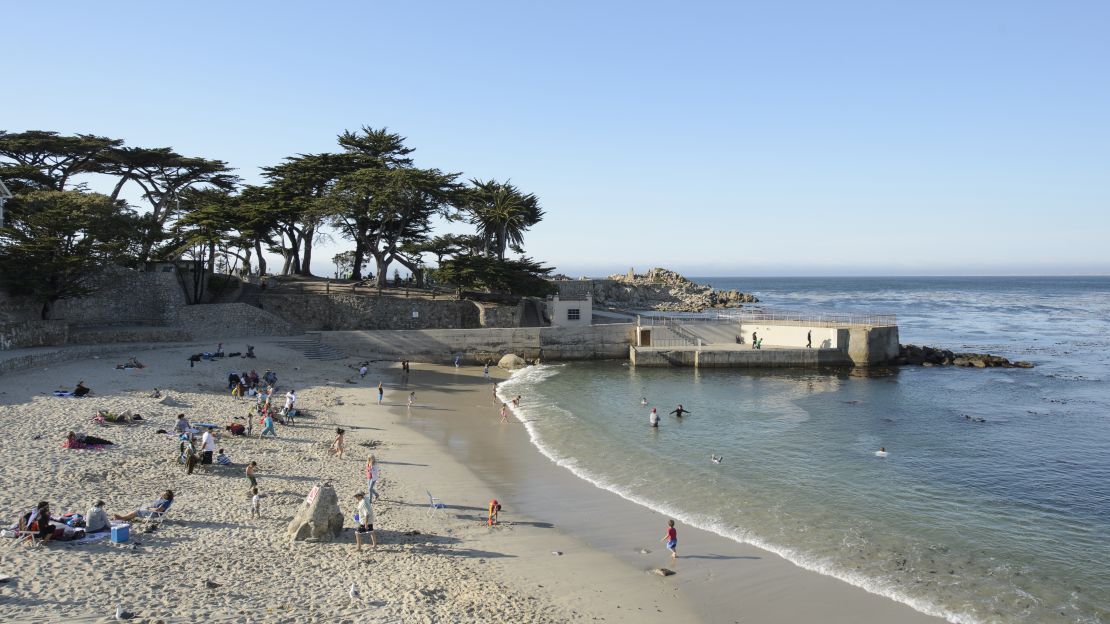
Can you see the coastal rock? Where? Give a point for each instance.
(664, 290)
(663, 571)
(318, 519)
(511, 361)
(932, 356)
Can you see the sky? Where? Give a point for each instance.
(731, 138)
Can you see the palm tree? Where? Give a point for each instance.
(502, 214)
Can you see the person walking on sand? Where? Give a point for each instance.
(372, 475)
(504, 412)
(250, 476)
(485, 370)
(412, 399)
(339, 445)
(381, 392)
(255, 504)
(365, 523)
(671, 539)
(267, 426)
(809, 339)
(755, 339)
(458, 359)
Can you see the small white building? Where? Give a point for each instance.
(570, 310)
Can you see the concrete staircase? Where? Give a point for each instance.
(250, 294)
(313, 349)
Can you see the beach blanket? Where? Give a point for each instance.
(66, 395)
(92, 537)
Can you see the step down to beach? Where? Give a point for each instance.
(313, 349)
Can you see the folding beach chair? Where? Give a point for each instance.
(434, 504)
(155, 519)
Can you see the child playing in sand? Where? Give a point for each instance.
(255, 503)
(338, 445)
(671, 539)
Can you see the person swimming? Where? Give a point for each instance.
(881, 452)
(643, 400)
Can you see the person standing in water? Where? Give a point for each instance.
(653, 418)
(671, 539)
(678, 411)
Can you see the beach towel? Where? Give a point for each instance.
(67, 395)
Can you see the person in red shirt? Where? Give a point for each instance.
(671, 539)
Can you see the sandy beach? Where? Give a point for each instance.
(564, 551)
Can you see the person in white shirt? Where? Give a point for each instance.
(290, 402)
(365, 523)
(255, 502)
(208, 446)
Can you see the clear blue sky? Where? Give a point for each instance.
(733, 138)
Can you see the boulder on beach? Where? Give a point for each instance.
(318, 519)
(511, 361)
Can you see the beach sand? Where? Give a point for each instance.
(212, 562)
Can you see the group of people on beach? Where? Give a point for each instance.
(41, 525)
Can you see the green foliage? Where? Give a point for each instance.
(523, 277)
(57, 242)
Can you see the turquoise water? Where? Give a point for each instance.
(1006, 520)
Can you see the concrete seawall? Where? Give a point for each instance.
(439, 345)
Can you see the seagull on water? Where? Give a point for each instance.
(716, 460)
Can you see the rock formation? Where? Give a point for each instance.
(660, 289)
(931, 356)
(511, 361)
(318, 519)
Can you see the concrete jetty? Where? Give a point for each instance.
(765, 341)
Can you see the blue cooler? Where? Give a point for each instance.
(121, 533)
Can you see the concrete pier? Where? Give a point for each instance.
(784, 343)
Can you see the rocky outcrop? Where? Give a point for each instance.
(318, 519)
(931, 356)
(660, 289)
(511, 361)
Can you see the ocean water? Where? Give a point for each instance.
(1006, 519)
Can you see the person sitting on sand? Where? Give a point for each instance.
(119, 419)
(160, 506)
(270, 377)
(182, 425)
(223, 459)
(37, 522)
(81, 390)
(96, 519)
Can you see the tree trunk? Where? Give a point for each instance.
(261, 258)
(119, 185)
(306, 259)
(356, 264)
(382, 261)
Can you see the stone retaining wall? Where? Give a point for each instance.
(341, 312)
(23, 334)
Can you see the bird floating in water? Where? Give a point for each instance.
(716, 460)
